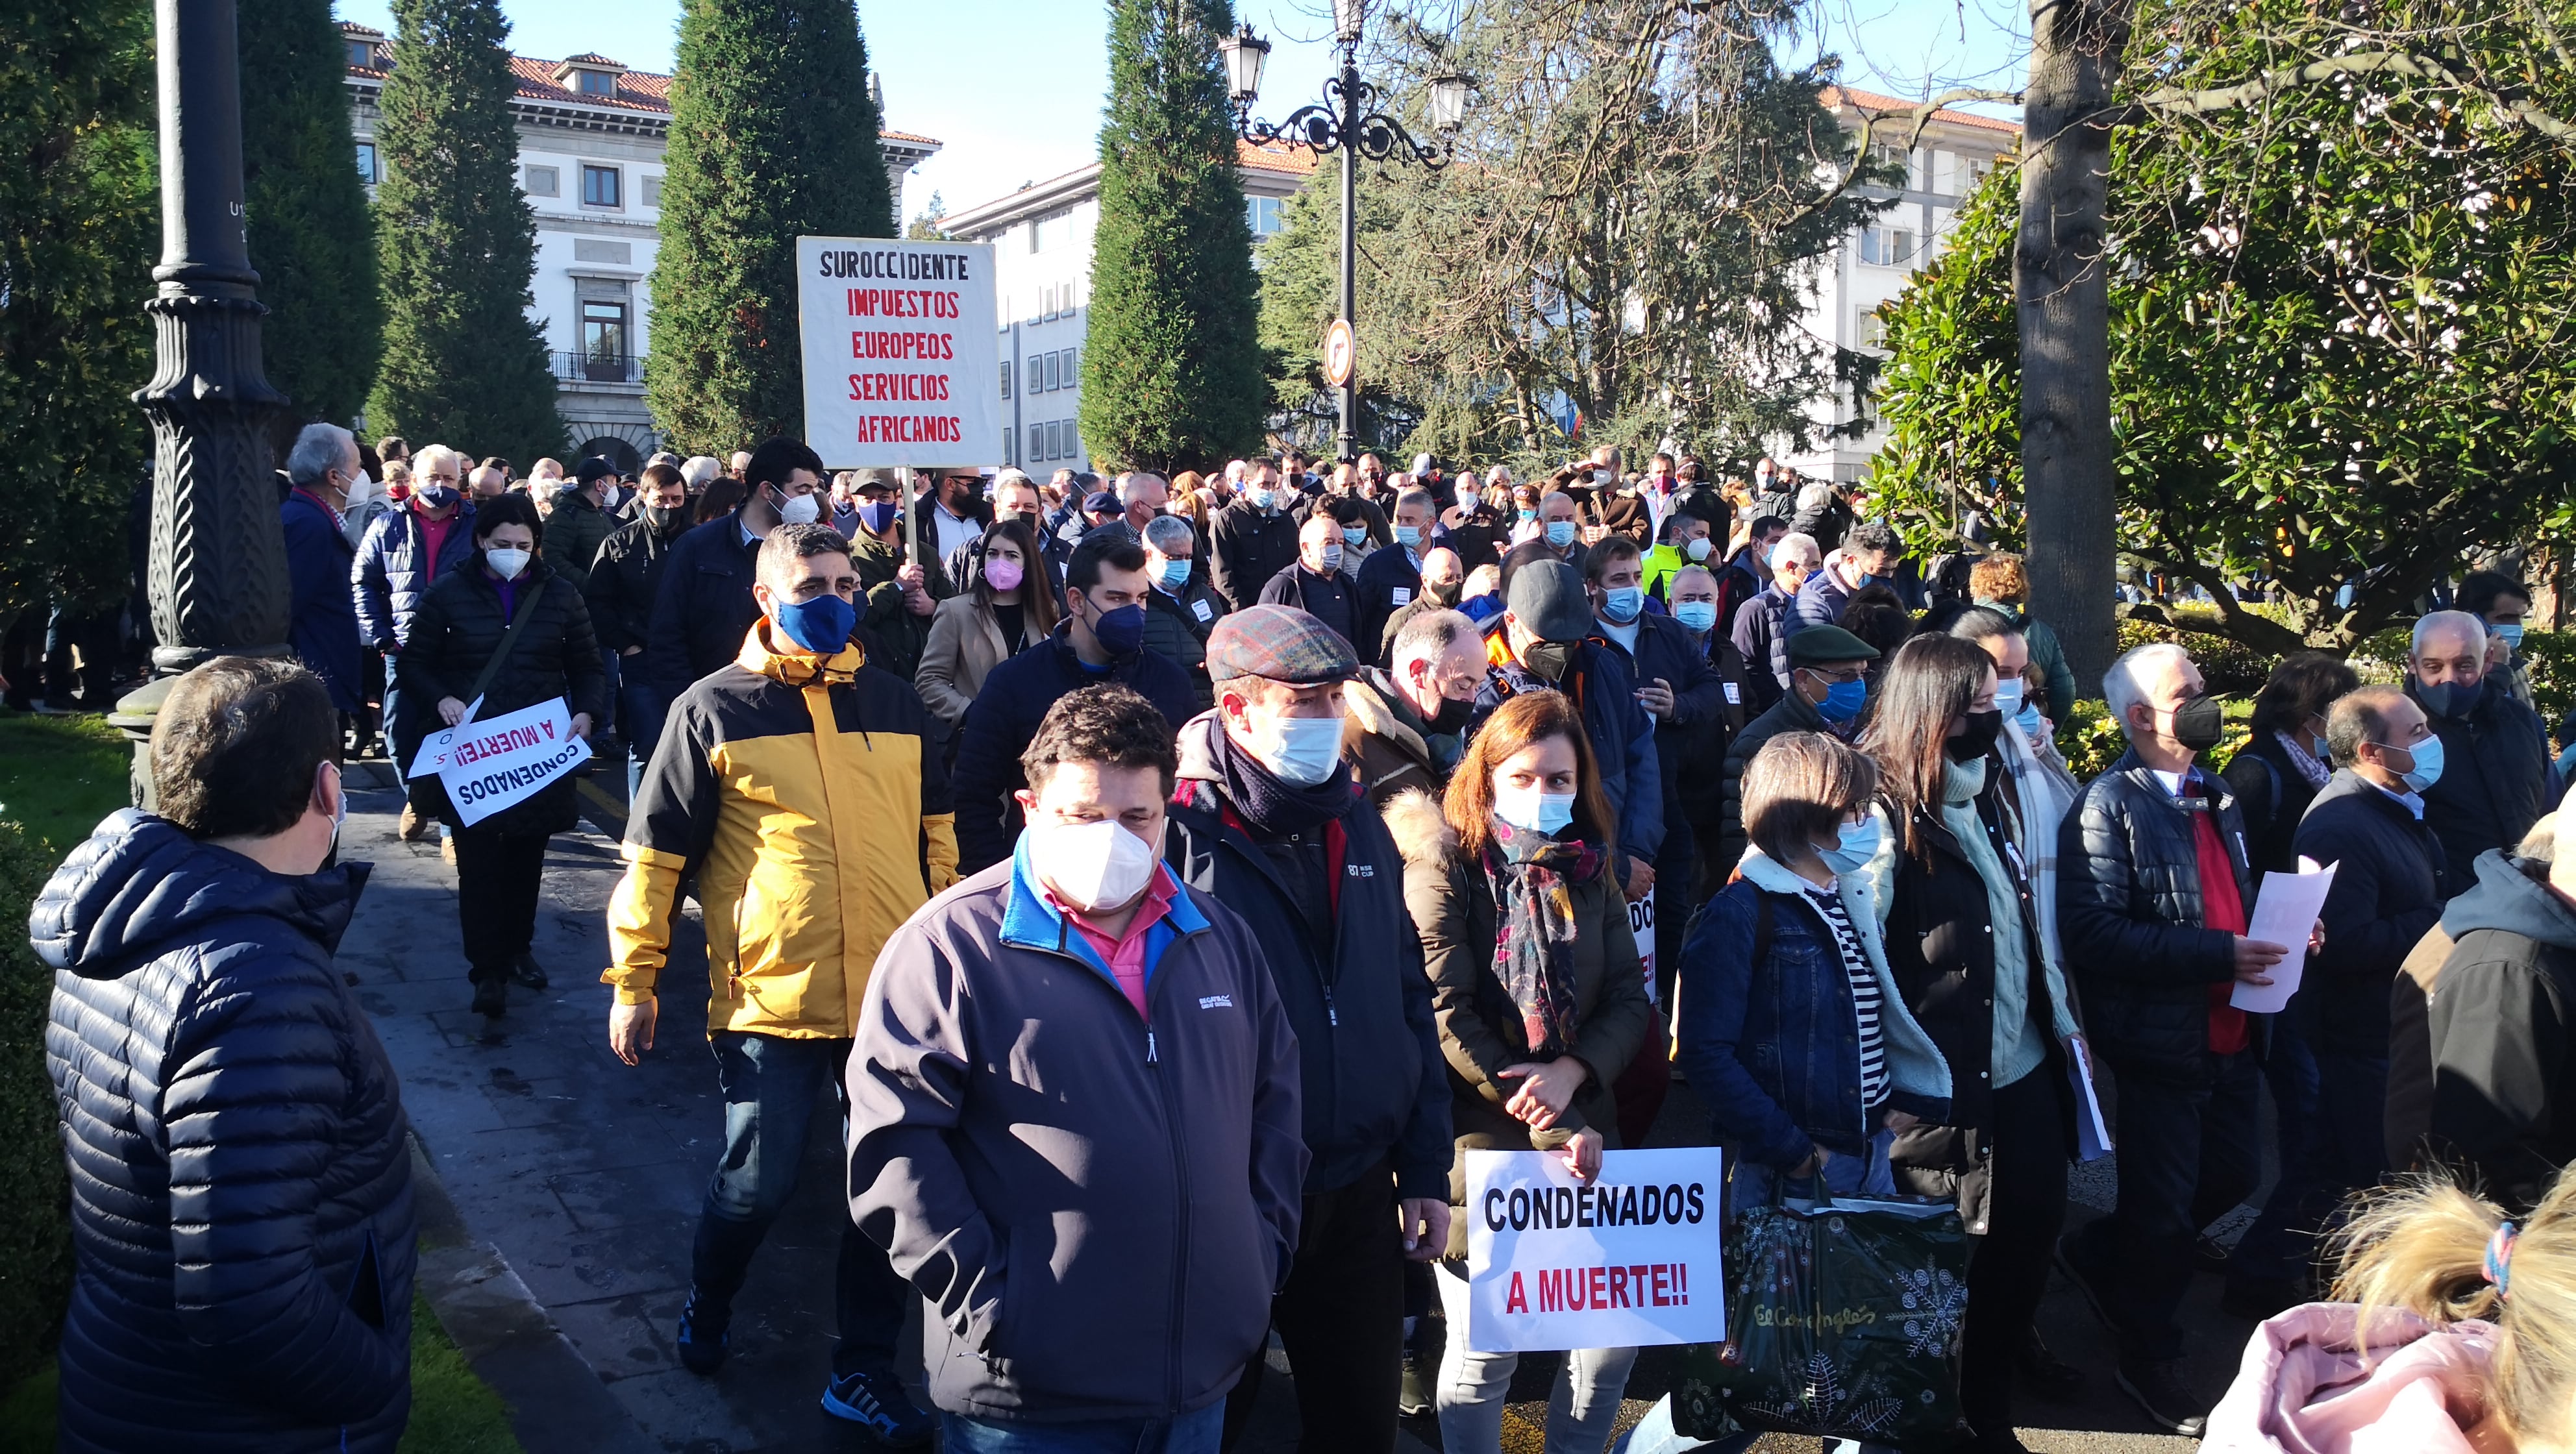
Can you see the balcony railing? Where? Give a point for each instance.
(598, 368)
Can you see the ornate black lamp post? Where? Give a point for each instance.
(1345, 123)
(217, 578)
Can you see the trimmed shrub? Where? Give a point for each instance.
(35, 1227)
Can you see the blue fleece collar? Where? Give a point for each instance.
(1030, 922)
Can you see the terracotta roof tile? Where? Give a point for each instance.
(1276, 156)
(1871, 101)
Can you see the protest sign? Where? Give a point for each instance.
(902, 364)
(1641, 924)
(1629, 1261)
(487, 766)
(2285, 913)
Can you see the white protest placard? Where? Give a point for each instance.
(1641, 923)
(2285, 912)
(487, 766)
(1630, 1261)
(902, 364)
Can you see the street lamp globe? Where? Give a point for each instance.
(1245, 54)
(1347, 19)
(1448, 102)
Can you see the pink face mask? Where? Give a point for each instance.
(1002, 573)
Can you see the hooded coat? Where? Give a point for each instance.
(2503, 1036)
(241, 1209)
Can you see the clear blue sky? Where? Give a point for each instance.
(1013, 87)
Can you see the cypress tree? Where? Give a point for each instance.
(1171, 365)
(772, 136)
(311, 240)
(78, 228)
(463, 364)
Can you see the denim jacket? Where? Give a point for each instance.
(1774, 1047)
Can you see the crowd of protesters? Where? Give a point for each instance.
(1172, 880)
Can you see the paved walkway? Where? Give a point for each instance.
(583, 1178)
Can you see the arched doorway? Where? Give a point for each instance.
(616, 451)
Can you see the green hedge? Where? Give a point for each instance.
(35, 1238)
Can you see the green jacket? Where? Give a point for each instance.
(900, 635)
(2045, 654)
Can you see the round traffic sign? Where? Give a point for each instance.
(1341, 354)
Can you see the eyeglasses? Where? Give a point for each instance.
(1838, 677)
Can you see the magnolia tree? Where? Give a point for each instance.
(2337, 300)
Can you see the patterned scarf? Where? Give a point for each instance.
(1531, 878)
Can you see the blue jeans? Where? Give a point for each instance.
(770, 1085)
(639, 709)
(1193, 1433)
(614, 700)
(1751, 1184)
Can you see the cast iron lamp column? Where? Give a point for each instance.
(217, 572)
(1344, 123)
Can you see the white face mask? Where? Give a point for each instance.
(800, 510)
(505, 561)
(361, 489)
(1300, 750)
(1095, 867)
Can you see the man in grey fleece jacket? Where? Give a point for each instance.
(1074, 1118)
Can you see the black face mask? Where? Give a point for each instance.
(663, 517)
(1977, 739)
(1441, 593)
(1451, 719)
(1548, 659)
(2198, 723)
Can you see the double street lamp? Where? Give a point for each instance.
(1347, 123)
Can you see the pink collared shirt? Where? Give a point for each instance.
(1125, 955)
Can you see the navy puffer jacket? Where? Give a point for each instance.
(241, 1187)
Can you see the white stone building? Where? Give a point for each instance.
(1042, 266)
(1872, 265)
(591, 139)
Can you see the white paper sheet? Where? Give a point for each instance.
(2092, 1134)
(2285, 912)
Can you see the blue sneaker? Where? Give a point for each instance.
(878, 1404)
(704, 1336)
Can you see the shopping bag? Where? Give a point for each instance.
(1843, 1320)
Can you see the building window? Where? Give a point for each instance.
(1006, 393)
(362, 54)
(597, 83)
(599, 186)
(1010, 437)
(651, 190)
(1052, 377)
(603, 341)
(1046, 304)
(1037, 443)
(1871, 330)
(1887, 247)
(543, 182)
(1073, 368)
(1263, 214)
(1052, 234)
(367, 163)
(1064, 299)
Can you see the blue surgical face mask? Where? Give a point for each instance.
(1697, 616)
(2027, 719)
(1854, 847)
(821, 625)
(1300, 750)
(1355, 535)
(2008, 697)
(1843, 700)
(1332, 557)
(1560, 533)
(2511, 631)
(1175, 572)
(1620, 605)
(1408, 536)
(2428, 764)
(1261, 499)
(1533, 811)
(1528, 515)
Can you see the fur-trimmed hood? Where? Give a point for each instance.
(1421, 834)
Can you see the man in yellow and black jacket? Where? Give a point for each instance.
(785, 782)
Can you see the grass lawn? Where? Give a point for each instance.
(60, 775)
(452, 1411)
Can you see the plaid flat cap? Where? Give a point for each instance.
(1280, 643)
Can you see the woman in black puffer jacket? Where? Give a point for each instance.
(461, 625)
